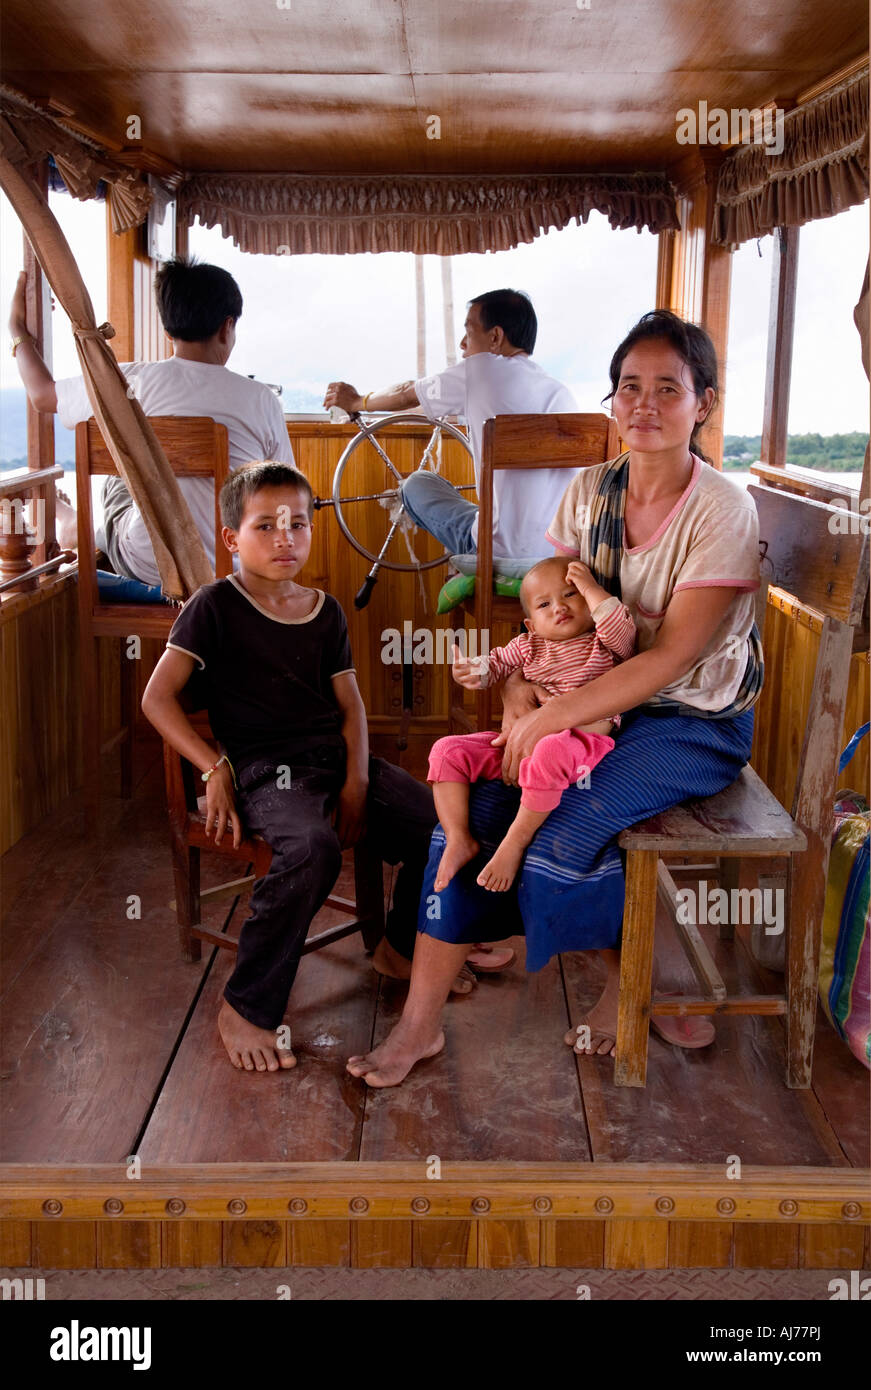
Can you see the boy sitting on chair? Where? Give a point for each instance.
(293, 764)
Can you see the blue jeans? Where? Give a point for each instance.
(435, 505)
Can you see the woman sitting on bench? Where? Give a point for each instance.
(679, 543)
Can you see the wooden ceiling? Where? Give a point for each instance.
(526, 86)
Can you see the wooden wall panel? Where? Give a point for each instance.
(699, 1245)
(255, 1243)
(831, 1247)
(509, 1244)
(40, 753)
(128, 1244)
(636, 1245)
(381, 1244)
(792, 635)
(319, 1243)
(65, 1244)
(445, 1244)
(192, 1244)
(573, 1244)
(763, 1245)
(16, 1244)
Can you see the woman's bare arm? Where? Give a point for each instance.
(692, 618)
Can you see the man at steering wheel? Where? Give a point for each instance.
(496, 376)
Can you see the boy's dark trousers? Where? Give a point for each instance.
(295, 820)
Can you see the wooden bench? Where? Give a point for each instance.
(823, 566)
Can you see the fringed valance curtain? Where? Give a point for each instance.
(27, 136)
(822, 169)
(443, 215)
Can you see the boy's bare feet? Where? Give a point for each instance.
(499, 873)
(387, 961)
(459, 849)
(251, 1048)
(392, 1060)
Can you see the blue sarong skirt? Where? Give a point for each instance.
(569, 893)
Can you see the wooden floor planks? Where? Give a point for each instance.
(208, 1112)
(95, 1002)
(502, 1088)
(704, 1106)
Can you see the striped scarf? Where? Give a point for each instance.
(605, 523)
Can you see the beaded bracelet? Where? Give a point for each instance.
(223, 759)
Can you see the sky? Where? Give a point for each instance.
(311, 319)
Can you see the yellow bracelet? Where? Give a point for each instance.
(365, 404)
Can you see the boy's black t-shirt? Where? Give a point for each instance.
(266, 681)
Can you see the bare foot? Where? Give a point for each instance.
(66, 525)
(597, 1034)
(499, 873)
(387, 961)
(459, 849)
(251, 1048)
(392, 1060)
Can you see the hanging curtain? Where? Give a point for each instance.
(443, 215)
(140, 460)
(822, 169)
(27, 136)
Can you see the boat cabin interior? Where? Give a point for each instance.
(127, 1141)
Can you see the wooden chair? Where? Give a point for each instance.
(827, 571)
(188, 837)
(196, 448)
(522, 442)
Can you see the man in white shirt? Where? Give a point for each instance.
(199, 306)
(497, 376)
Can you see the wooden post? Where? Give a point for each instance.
(781, 327)
(636, 969)
(420, 301)
(694, 276)
(40, 426)
(120, 251)
(448, 311)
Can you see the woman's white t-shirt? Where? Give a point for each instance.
(710, 539)
(255, 424)
(478, 388)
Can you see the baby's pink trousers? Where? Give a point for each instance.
(556, 762)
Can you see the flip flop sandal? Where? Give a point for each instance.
(492, 959)
(676, 1028)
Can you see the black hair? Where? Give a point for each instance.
(512, 311)
(245, 482)
(564, 560)
(691, 342)
(193, 299)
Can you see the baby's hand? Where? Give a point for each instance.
(580, 575)
(465, 672)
